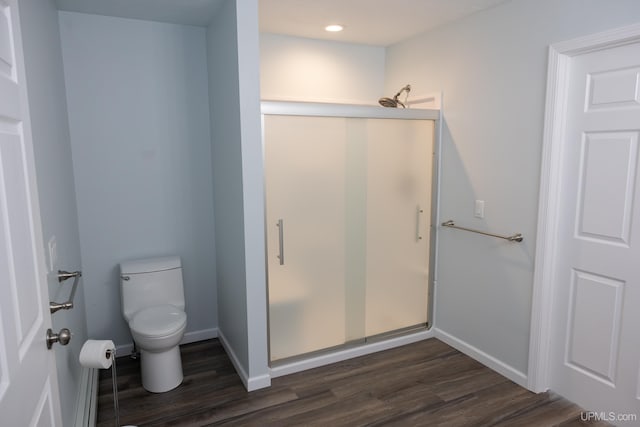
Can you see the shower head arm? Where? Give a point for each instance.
(406, 88)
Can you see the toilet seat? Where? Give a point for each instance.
(158, 321)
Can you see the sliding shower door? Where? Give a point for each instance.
(348, 206)
(399, 169)
(305, 174)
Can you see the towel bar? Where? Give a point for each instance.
(514, 238)
(68, 305)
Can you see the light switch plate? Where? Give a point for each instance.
(479, 209)
(53, 254)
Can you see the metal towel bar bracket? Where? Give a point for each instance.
(514, 238)
(62, 276)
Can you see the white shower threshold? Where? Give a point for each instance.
(348, 353)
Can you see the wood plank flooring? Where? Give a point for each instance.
(423, 384)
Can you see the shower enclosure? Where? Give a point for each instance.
(348, 224)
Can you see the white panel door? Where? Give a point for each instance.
(596, 346)
(28, 382)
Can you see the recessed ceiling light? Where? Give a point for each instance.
(334, 28)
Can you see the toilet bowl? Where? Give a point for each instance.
(153, 305)
(157, 331)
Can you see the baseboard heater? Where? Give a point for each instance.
(87, 401)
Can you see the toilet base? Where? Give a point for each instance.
(161, 371)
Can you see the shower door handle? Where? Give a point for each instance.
(281, 241)
(419, 212)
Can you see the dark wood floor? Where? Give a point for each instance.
(423, 384)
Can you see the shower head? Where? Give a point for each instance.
(394, 102)
(390, 103)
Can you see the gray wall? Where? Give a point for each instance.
(222, 55)
(233, 52)
(492, 70)
(253, 190)
(301, 69)
(52, 148)
(139, 121)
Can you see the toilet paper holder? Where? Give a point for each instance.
(91, 353)
(111, 353)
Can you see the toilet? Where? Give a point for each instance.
(153, 305)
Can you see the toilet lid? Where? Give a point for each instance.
(160, 320)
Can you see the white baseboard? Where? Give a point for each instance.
(244, 377)
(189, 337)
(256, 383)
(201, 335)
(350, 353)
(87, 398)
(250, 383)
(482, 357)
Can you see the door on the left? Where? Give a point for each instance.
(28, 382)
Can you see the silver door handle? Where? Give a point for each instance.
(281, 241)
(63, 337)
(419, 212)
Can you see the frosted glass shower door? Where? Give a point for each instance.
(399, 173)
(305, 189)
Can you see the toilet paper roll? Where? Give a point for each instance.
(95, 354)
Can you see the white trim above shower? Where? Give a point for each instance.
(347, 110)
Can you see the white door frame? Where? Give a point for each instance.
(560, 55)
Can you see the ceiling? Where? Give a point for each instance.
(186, 12)
(371, 22)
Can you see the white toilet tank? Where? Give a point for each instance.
(150, 282)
